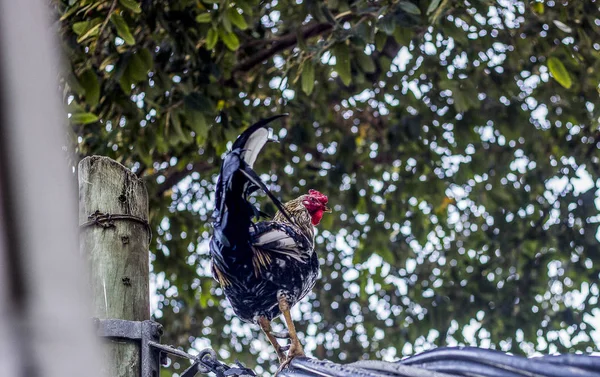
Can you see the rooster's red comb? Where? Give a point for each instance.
(317, 195)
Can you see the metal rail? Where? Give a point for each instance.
(147, 335)
(441, 362)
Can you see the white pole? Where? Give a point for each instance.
(42, 273)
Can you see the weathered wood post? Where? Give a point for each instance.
(113, 206)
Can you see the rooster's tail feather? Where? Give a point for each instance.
(254, 178)
(233, 213)
(253, 139)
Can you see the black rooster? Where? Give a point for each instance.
(264, 268)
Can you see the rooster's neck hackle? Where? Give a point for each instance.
(299, 214)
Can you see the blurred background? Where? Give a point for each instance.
(458, 142)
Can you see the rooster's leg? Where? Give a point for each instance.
(265, 326)
(281, 334)
(295, 347)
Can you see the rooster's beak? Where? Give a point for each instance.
(327, 209)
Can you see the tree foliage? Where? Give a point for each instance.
(457, 141)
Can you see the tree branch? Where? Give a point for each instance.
(282, 43)
(286, 41)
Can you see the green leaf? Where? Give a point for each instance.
(142, 150)
(226, 24)
(75, 108)
(403, 35)
(246, 8)
(211, 38)
(161, 139)
(366, 63)
(146, 58)
(409, 7)
(122, 29)
(237, 19)
(380, 40)
(177, 135)
(125, 83)
(120, 73)
(387, 24)
(138, 68)
(75, 85)
(559, 72)
(230, 39)
(197, 122)
(308, 78)
(366, 33)
(342, 63)
(461, 103)
(463, 94)
(93, 31)
(91, 86)
(433, 6)
(206, 295)
(68, 13)
(198, 102)
(387, 255)
(86, 29)
(132, 5)
(84, 118)
(204, 18)
(538, 7)
(80, 27)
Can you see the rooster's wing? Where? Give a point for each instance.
(280, 239)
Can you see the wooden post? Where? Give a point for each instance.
(117, 252)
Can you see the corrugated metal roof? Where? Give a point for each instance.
(453, 362)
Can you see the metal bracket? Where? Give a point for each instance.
(143, 332)
(147, 334)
